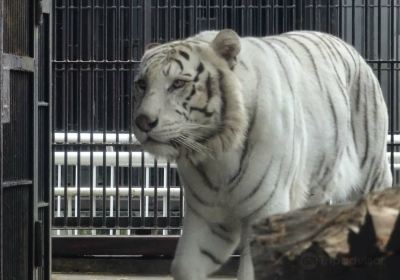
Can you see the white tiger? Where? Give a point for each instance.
(258, 126)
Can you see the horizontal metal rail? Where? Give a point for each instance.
(396, 139)
(97, 137)
(122, 191)
(123, 138)
(110, 159)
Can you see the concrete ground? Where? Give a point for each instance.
(112, 277)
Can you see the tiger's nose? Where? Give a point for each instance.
(144, 123)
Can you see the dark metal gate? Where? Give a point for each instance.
(103, 183)
(25, 139)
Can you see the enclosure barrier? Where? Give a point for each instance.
(102, 181)
(134, 159)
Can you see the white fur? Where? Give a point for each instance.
(291, 104)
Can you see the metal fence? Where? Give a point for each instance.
(25, 146)
(103, 182)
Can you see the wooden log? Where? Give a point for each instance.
(359, 240)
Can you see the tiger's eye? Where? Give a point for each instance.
(178, 84)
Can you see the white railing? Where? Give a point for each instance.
(396, 139)
(97, 137)
(110, 159)
(113, 159)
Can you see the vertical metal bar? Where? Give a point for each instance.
(195, 16)
(147, 24)
(80, 23)
(155, 198)
(1, 147)
(328, 18)
(105, 109)
(379, 39)
(220, 15)
(247, 22)
(341, 18)
(272, 17)
(65, 109)
(130, 110)
(259, 9)
(392, 105)
(76, 196)
(168, 180)
(397, 64)
(294, 15)
(164, 198)
(208, 11)
(53, 27)
(118, 105)
(59, 185)
(234, 15)
(112, 188)
(1, 151)
(94, 207)
(157, 25)
(242, 21)
(353, 19)
(304, 15)
(183, 32)
(298, 14)
(50, 152)
(142, 202)
(91, 110)
(366, 29)
(147, 187)
(180, 202)
(168, 22)
(285, 17)
(314, 14)
(37, 260)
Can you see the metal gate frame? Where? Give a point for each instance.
(157, 27)
(38, 64)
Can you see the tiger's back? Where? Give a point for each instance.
(314, 104)
(343, 112)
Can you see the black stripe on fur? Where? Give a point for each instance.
(337, 55)
(283, 42)
(182, 114)
(202, 110)
(307, 50)
(179, 63)
(221, 235)
(196, 196)
(210, 256)
(204, 177)
(259, 184)
(192, 93)
(218, 230)
(366, 127)
(281, 64)
(200, 69)
(255, 211)
(246, 151)
(184, 54)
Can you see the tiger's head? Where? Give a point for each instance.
(188, 100)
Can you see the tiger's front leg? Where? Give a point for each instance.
(246, 269)
(203, 247)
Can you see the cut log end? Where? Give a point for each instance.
(359, 240)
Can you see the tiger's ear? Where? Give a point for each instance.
(150, 46)
(227, 45)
